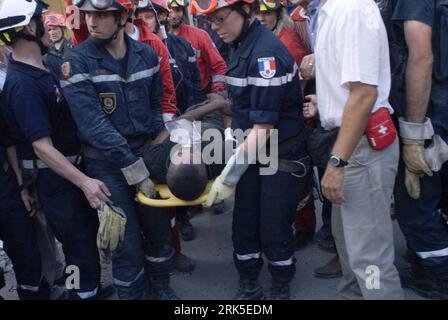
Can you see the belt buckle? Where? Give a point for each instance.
(305, 170)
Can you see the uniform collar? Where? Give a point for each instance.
(329, 7)
(107, 62)
(249, 41)
(28, 69)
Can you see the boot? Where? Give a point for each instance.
(325, 241)
(302, 239)
(105, 292)
(280, 290)
(182, 263)
(332, 269)
(426, 284)
(161, 289)
(187, 230)
(249, 290)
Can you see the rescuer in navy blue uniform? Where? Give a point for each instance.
(114, 89)
(16, 228)
(41, 127)
(263, 85)
(184, 69)
(421, 104)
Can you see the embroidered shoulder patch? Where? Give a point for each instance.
(267, 67)
(108, 102)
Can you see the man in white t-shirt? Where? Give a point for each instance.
(353, 81)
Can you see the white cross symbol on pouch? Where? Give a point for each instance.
(382, 130)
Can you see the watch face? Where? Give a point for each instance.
(334, 161)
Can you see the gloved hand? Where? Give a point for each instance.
(111, 230)
(225, 184)
(137, 175)
(147, 188)
(413, 157)
(437, 153)
(219, 191)
(413, 137)
(412, 183)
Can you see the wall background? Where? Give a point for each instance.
(56, 5)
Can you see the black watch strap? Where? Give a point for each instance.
(337, 162)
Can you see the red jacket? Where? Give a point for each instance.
(212, 67)
(294, 44)
(78, 35)
(146, 36)
(169, 94)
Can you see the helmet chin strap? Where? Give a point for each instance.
(119, 26)
(276, 22)
(40, 32)
(238, 7)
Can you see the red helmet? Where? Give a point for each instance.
(54, 19)
(153, 4)
(105, 5)
(209, 6)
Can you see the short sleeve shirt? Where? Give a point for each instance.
(352, 46)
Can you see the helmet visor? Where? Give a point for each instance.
(270, 4)
(204, 6)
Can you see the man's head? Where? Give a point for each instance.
(55, 23)
(106, 19)
(270, 12)
(23, 20)
(186, 179)
(178, 12)
(229, 19)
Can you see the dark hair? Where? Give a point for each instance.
(187, 181)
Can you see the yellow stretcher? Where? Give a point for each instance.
(169, 200)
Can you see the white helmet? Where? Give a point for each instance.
(16, 14)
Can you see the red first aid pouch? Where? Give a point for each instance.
(380, 130)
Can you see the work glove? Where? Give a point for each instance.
(414, 158)
(111, 230)
(437, 153)
(147, 188)
(412, 183)
(225, 184)
(137, 175)
(413, 137)
(219, 191)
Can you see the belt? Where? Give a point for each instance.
(93, 153)
(298, 168)
(39, 164)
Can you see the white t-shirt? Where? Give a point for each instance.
(135, 34)
(351, 46)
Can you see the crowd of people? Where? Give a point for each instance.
(349, 96)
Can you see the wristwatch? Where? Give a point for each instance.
(337, 162)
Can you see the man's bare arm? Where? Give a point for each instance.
(419, 69)
(354, 121)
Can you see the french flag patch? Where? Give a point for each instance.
(267, 67)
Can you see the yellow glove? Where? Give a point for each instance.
(219, 191)
(111, 230)
(147, 188)
(412, 183)
(413, 157)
